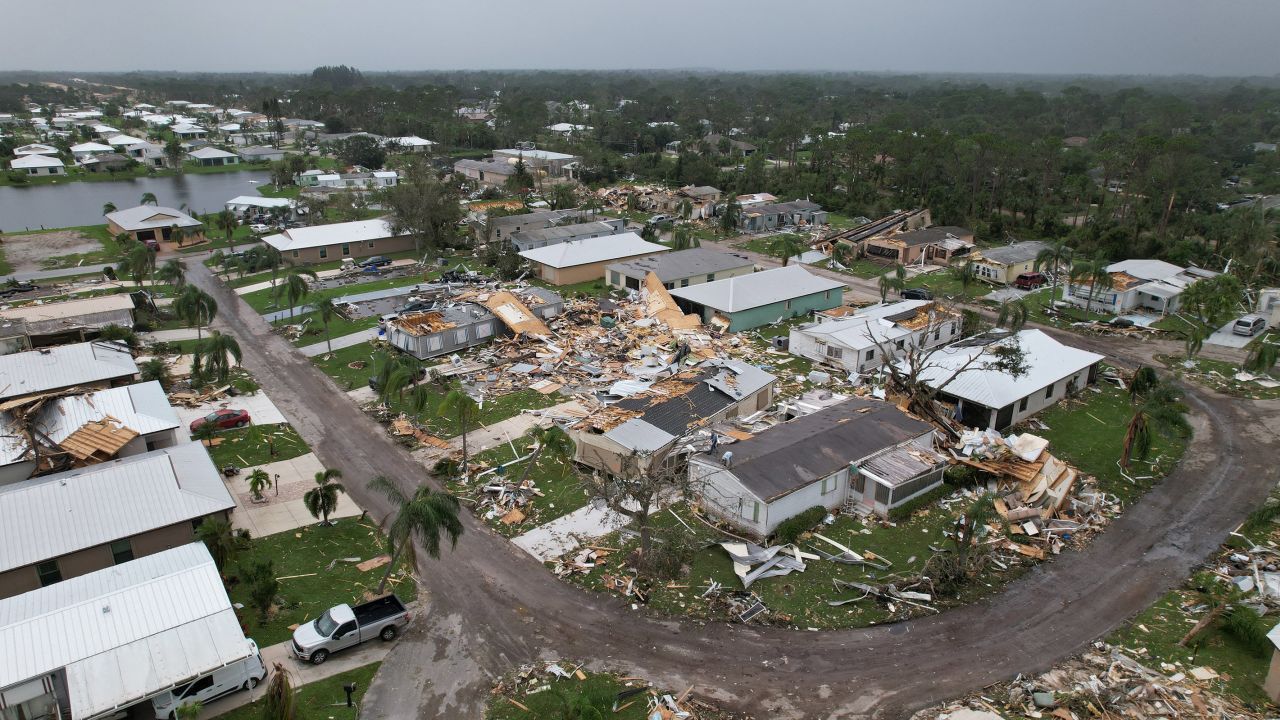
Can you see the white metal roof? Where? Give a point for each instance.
(35, 161)
(408, 141)
(593, 250)
(1146, 269)
(124, 140)
(68, 308)
(91, 147)
(50, 516)
(744, 292)
(211, 153)
(323, 235)
(150, 217)
(63, 366)
(35, 149)
(869, 326)
(123, 633)
(1048, 361)
(534, 154)
(259, 201)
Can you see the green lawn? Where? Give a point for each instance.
(1037, 302)
(600, 690)
(1220, 375)
(314, 575)
(945, 284)
(252, 445)
(264, 302)
(861, 267)
(336, 366)
(1152, 638)
(562, 490)
(321, 700)
(1088, 432)
(315, 332)
(838, 221)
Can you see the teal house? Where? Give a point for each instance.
(749, 301)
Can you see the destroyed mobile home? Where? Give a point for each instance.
(473, 318)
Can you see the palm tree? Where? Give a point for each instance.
(280, 701)
(227, 223)
(295, 288)
(118, 333)
(1054, 256)
(1099, 280)
(148, 199)
(323, 498)
(729, 216)
(461, 406)
(897, 281)
(156, 370)
(1013, 314)
(224, 542)
(1261, 358)
(552, 442)
(217, 352)
(967, 274)
(424, 517)
(195, 306)
(785, 247)
(682, 239)
(1144, 379)
(259, 480)
(1161, 410)
(173, 272)
(138, 262)
(327, 311)
(108, 208)
(177, 235)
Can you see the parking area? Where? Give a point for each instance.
(261, 410)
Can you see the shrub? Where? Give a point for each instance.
(672, 549)
(260, 577)
(789, 530)
(1249, 629)
(907, 509)
(963, 476)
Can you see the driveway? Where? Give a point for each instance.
(492, 607)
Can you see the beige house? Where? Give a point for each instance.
(60, 526)
(1002, 265)
(154, 223)
(322, 243)
(585, 260)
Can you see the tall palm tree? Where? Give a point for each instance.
(224, 542)
(195, 306)
(461, 406)
(148, 198)
(1099, 279)
(1162, 411)
(1057, 254)
(138, 263)
(295, 287)
(226, 222)
(108, 208)
(896, 281)
(218, 353)
(729, 216)
(327, 311)
(552, 442)
(173, 272)
(784, 247)
(1013, 314)
(424, 516)
(323, 498)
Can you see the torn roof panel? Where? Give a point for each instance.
(515, 314)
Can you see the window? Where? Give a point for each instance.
(615, 278)
(871, 353)
(121, 551)
(1022, 406)
(203, 683)
(324, 253)
(370, 244)
(1048, 392)
(829, 485)
(460, 335)
(826, 295)
(346, 628)
(295, 253)
(684, 282)
(937, 332)
(483, 330)
(835, 353)
(195, 525)
(48, 573)
(711, 278)
(788, 305)
(954, 330)
(346, 249)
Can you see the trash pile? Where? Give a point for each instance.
(1040, 496)
(531, 680)
(1104, 682)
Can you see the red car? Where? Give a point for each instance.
(1030, 281)
(223, 419)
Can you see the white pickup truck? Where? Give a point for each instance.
(343, 626)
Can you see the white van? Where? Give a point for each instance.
(243, 674)
(1249, 325)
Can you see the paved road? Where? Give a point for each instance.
(493, 608)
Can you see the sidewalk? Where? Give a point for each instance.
(345, 341)
(261, 410)
(302, 673)
(172, 335)
(282, 509)
(60, 272)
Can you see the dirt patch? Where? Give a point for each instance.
(27, 253)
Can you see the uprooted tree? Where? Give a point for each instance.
(967, 555)
(642, 481)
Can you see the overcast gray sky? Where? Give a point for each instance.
(1209, 37)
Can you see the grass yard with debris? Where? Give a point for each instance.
(1088, 432)
(599, 690)
(320, 700)
(315, 334)
(251, 446)
(563, 491)
(265, 301)
(1220, 375)
(309, 563)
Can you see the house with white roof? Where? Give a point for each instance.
(64, 525)
(408, 143)
(869, 337)
(149, 154)
(749, 301)
(210, 156)
(545, 162)
(585, 259)
(55, 323)
(86, 150)
(34, 149)
(124, 141)
(38, 165)
(361, 238)
(967, 375)
(152, 223)
(98, 364)
(260, 153)
(1137, 285)
(190, 132)
(251, 207)
(84, 428)
(94, 645)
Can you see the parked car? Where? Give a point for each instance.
(152, 243)
(260, 228)
(1030, 281)
(660, 218)
(376, 261)
(223, 419)
(344, 626)
(1249, 325)
(916, 294)
(241, 675)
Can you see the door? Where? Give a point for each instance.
(345, 636)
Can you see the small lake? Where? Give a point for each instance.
(80, 203)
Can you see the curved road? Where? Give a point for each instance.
(492, 607)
